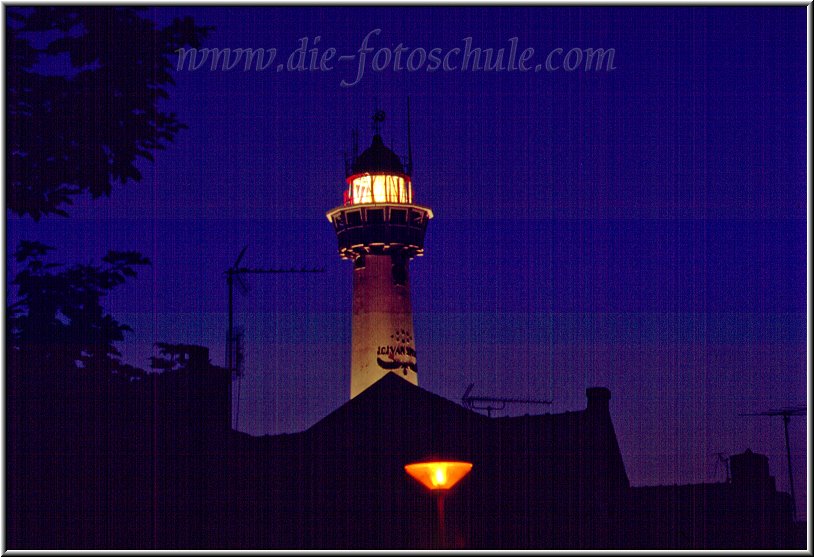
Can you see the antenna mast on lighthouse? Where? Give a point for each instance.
(409, 142)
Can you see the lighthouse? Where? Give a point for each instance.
(380, 230)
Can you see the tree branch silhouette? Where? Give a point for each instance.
(83, 127)
(84, 88)
(58, 322)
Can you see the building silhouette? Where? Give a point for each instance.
(747, 511)
(154, 464)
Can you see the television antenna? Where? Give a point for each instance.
(493, 404)
(786, 412)
(236, 275)
(409, 142)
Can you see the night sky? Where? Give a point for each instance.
(641, 229)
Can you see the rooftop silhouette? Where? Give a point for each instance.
(156, 462)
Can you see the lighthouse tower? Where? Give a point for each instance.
(380, 230)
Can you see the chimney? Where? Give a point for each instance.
(751, 470)
(598, 398)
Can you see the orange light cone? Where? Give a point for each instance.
(438, 475)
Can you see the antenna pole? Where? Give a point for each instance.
(239, 380)
(786, 419)
(230, 333)
(230, 275)
(786, 414)
(409, 140)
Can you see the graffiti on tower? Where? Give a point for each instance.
(400, 355)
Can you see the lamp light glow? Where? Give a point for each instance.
(441, 475)
(367, 188)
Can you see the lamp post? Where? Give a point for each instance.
(439, 477)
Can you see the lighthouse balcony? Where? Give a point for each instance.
(380, 228)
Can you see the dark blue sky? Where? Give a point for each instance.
(641, 229)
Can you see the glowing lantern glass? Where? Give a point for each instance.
(438, 475)
(378, 188)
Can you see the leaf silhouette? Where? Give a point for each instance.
(84, 127)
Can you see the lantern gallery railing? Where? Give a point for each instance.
(378, 228)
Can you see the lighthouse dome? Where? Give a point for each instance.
(378, 158)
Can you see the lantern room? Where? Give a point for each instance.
(377, 176)
(378, 215)
(378, 188)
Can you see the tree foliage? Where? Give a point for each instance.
(84, 86)
(174, 357)
(58, 322)
(83, 129)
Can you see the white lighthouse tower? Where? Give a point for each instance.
(380, 229)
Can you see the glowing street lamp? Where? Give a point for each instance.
(439, 477)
